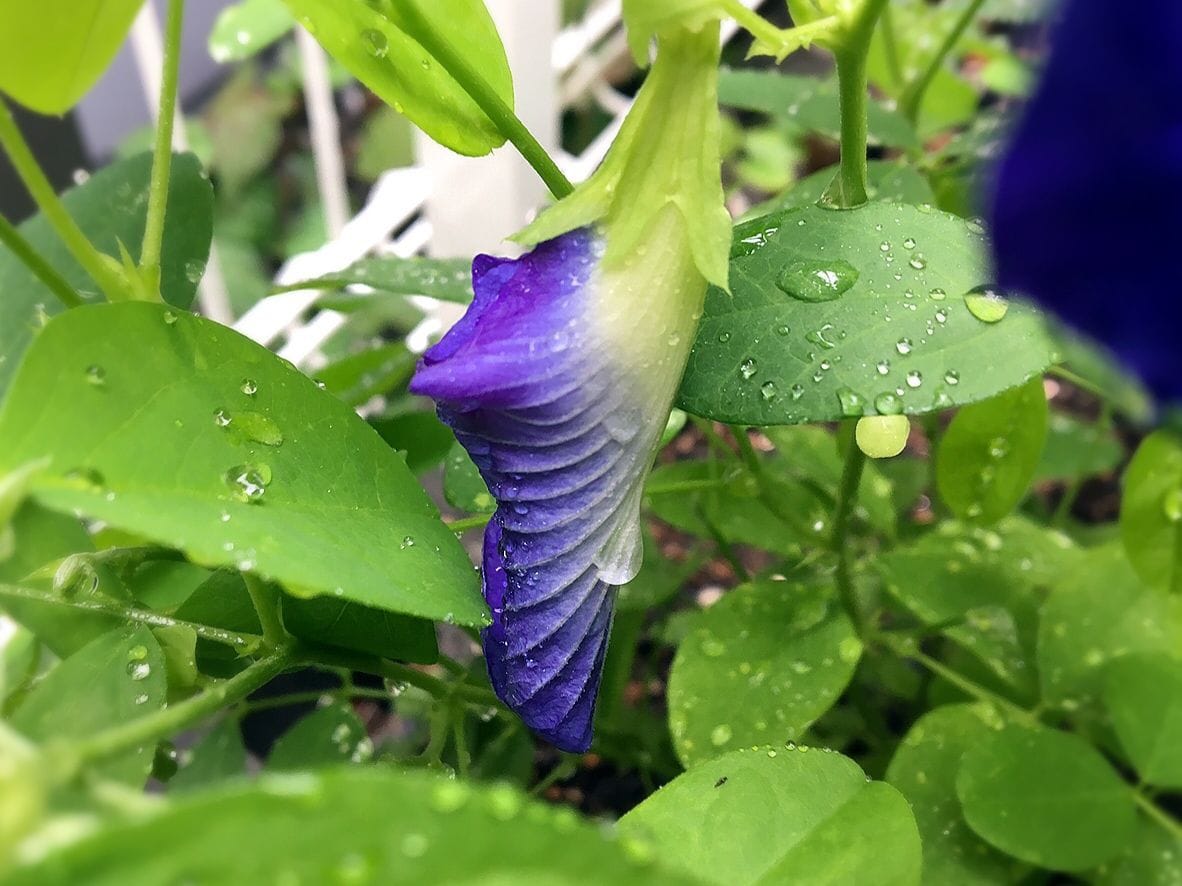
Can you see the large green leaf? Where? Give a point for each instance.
(183, 431)
(1075, 450)
(1143, 694)
(1151, 512)
(247, 27)
(1149, 859)
(1097, 611)
(759, 665)
(879, 320)
(924, 769)
(781, 815)
(352, 825)
(51, 53)
(1046, 797)
(110, 208)
(448, 279)
(809, 102)
(378, 43)
(327, 736)
(990, 452)
(113, 679)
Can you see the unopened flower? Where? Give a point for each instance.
(559, 379)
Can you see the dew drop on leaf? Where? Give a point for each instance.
(222, 418)
(817, 281)
(903, 346)
(747, 368)
(986, 303)
(250, 387)
(248, 482)
(375, 42)
(852, 403)
(888, 404)
(768, 391)
(96, 376)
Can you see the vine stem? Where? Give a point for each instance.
(33, 260)
(851, 58)
(914, 93)
(175, 718)
(847, 497)
(494, 107)
(44, 195)
(239, 641)
(162, 159)
(265, 599)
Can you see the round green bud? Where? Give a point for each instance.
(882, 436)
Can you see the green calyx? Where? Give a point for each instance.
(667, 154)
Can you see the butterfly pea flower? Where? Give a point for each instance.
(1085, 211)
(559, 378)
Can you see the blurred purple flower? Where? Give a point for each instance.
(1085, 216)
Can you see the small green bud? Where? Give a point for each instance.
(882, 436)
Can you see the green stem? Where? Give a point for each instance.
(1169, 824)
(481, 92)
(162, 161)
(476, 521)
(891, 46)
(265, 599)
(175, 718)
(294, 698)
(847, 497)
(42, 270)
(240, 641)
(914, 93)
(44, 195)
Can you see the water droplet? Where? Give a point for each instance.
(768, 391)
(248, 482)
(375, 42)
(884, 246)
(918, 262)
(450, 796)
(986, 303)
(260, 428)
(883, 367)
(903, 346)
(170, 318)
(783, 329)
(817, 281)
(952, 377)
(408, 541)
(937, 294)
(747, 368)
(852, 403)
(724, 337)
(139, 670)
(194, 270)
(941, 316)
(96, 376)
(221, 418)
(797, 391)
(975, 225)
(250, 387)
(908, 242)
(888, 404)
(142, 698)
(914, 378)
(1172, 505)
(720, 735)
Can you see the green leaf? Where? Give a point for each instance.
(1150, 859)
(386, 141)
(327, 736)
(110, 208)
(447, 279)
(1100, 369)
(463, 486)
(360, 628)
(808, 102)
(990, 452)
(368, 825)
(423, 439)
(888, 181)
(924, 769)
(871, 328)
(1143, 694)
(246, 28)
(269, 473)
(116, 678)
(797, 815)
(358, 378)
(1151, 511)
(762, 663)
(218, 756)
(1075, 450)
(1045, 797)
(981, 588)
(52, 53)
(1095, 612)
(379, 47)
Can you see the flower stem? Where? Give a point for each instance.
(175, 718)
(481, 92)
(242, 642)
(913, 95)
(265, 599)
(847, 496)
(851, 55)
(476, 521)
(162, 159)
(44, 195)
(42, 270)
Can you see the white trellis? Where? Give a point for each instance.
(444, 205)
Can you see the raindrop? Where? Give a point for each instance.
(248, 482)
(375, 42)
(909, 243)
(952, 377)
(139, 670)
(250, 387)
(221, 418)
(918, 262)
(142, 698)
(194, 270)
(986, 303)
(408, 541)
(888, 404)
(903, 346)
(747, 368)
(768, 391)
(817, 281)
(724, 337)
(783, 329)
(883, 367)
(170, 318)
(884, 246)
(975, 225)
(938, 294)
(941, 316)
(797, 392)
(820, 338)
(96, 376)
(914, 379)
(852, 403)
